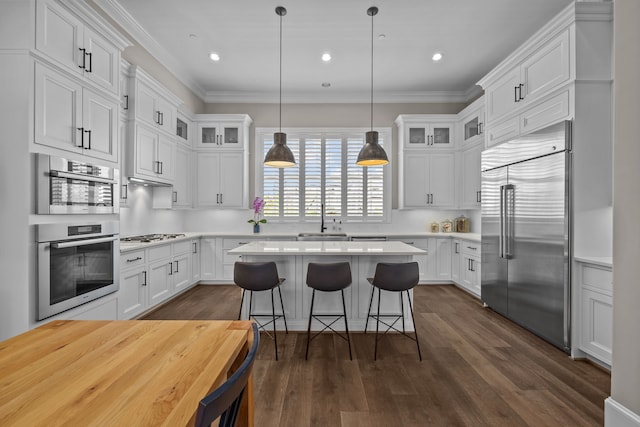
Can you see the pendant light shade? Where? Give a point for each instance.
(372, 154)
(280, 155)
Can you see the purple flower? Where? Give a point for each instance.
(258, 205)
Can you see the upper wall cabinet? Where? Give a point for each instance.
(421, 131)
(545, 69)
(471, 125)
(74, 45)
(154, 106)
(221, 131)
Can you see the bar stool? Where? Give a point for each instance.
(394, 277)
(256, 277)
(328, 277)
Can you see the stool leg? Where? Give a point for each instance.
(283, 316)
(250, 304)
(241, 301)
(414, 326)
(273, 313)
(402, 311)
(313, 296)
(366, 323)
(375, 352)
(346, 325)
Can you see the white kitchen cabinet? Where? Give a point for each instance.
(64, 38)
(435, 265)
(181, 195)
(181, 269)
(539, 74)
(152, 106)
(221, 180)
(132, 293)
(151, 155)
(422, 131)
(472, 123)
(73, 118)
(222, 131)
(470, 266)
(195, 260)
(160, 271)
(208, 258)
(427, 180)
(456, 260)
(470, 177)
(595, 289)
(184, 129)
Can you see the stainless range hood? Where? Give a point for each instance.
(146, 182)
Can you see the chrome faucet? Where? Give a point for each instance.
(322, 227)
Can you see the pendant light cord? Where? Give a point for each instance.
(372, 15)
(280, 121)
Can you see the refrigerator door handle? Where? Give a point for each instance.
(503, 218)
(509, 210)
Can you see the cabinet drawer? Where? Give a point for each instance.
(597, 278)
(159, 252)
(471, 248)
(132, 259)
(548, 112)
(182, 247)
(234, 243)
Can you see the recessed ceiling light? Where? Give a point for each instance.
(326, 57)
(382, 36)
(214, 56)
(437, 56)
(193, 36)
(326, 84)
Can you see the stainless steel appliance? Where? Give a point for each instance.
(73, 187)
(526, 231)
(77, 263)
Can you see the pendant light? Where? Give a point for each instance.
(279, 155)
(372, 154)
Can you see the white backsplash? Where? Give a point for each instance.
(140, 218)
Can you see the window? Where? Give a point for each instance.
(325, 173)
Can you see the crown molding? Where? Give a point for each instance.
(140, 35)
(329, 97)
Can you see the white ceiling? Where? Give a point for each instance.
(473, 35)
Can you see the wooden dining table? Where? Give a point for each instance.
(119, 373)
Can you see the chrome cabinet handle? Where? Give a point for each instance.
(125, 192)
(515, 94)
(177, 267)
(88, 147)
(457, 249)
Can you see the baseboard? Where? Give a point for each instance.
(616, 415)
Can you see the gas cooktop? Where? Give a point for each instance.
(146, 238)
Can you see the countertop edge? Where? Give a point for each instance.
(595, 260)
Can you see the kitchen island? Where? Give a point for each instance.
(292, 259)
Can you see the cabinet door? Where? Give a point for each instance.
(59, 35)
(181, 272)
(195, 261)
(182, 182)
(596, 324)
(208, 135)
(231, 178)
(207, 259)
(166, 157)
(58, 110)
(102, 64)
(131, 295)
(470, 274)
(231, 135)
(442, 179)
(168, 113)
(455, 260)
(160, 281)
(416, 179)
(503, 131)
(207, 190)
(145, 152)
(443, 258)
(503, 95)
(471, 176)
(441, 135)
(99, 119)
(146, 109)
(546, 69)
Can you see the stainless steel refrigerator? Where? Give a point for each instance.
(526, 231)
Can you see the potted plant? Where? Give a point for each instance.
(258, 207)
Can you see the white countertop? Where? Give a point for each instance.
(326, 248)
(132, 246)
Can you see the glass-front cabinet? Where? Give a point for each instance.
(422, 131)
(472, 127)
(220, 135)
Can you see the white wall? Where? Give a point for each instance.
(625, 375)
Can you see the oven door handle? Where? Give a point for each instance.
(62, 245)
(61, 174)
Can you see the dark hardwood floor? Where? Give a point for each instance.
(478, 369)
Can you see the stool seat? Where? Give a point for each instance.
(256, 277)
(328, 277)
(394, 277)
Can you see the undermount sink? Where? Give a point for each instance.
(336, 237)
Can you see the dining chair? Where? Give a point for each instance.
(394, 277)
(225, 401)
